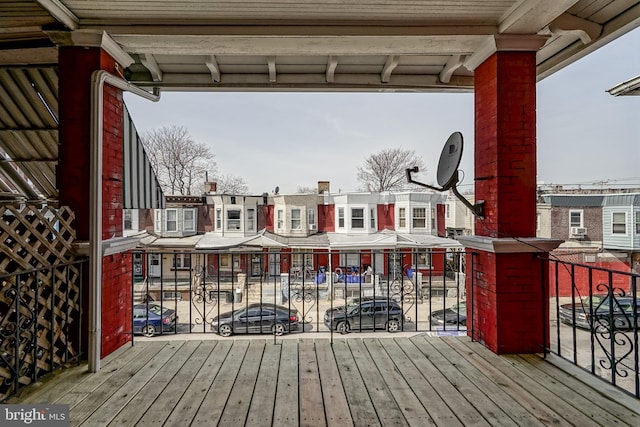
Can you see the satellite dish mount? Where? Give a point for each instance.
(448, 173)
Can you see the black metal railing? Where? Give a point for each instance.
(40, 323)
(199, 288)
(594, 320)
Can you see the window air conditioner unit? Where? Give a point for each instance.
(578, 231)
(313, 227)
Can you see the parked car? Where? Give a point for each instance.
(257, 318)
(454, 315)
(365, 313)
(617, 312)
(148, 321)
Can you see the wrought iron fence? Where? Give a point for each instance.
(594, 319)
(299, 292)
(40, 323)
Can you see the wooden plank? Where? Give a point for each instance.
(596, 394)
(466, 413)
(612, 393)
(548, 396)
(436, 407)
(261, 409)
(164, 403)
(572, 400)
(362, 410)
(412, 409)
(118, 373)
(490, 388)
(104, 404)
(467, 389)
(49, 387)
(217, 394)
(333, 394)
(237, 407)
(285, 412)
(311, 403)
(381, 397)
(507, 380)
(138, 405)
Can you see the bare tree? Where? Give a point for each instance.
(179, 161)
(306, 190)
(386, 170)
(231, 184)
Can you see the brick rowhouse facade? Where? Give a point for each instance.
(76, 67)
(509, 314)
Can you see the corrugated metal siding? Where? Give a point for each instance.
(141, 187)
(578, 200)
(622, 200)
(29, 126)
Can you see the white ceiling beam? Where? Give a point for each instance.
(389, 66)
(332, 64)
(351, 82)
(271, 62)
(59, 11)
(93, 38)
(315, 30)
(507, 43)
(454, 62)
(586, 31)
(213, 67)
(296, 46)
(531, 16)
(150, 63)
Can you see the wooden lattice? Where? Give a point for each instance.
(39, 294)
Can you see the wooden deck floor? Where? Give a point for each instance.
(417, 381)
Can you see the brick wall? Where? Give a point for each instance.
(116, 302)
(592, 218)
(505, 148)
(77, 64)
(508, 310)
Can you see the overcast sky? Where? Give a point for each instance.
(291, 140)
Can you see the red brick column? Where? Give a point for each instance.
(510, 290)
(75, 70)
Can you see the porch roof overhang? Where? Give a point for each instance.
(290, 45)
(175, 242)
(628, 88)
(214, 240)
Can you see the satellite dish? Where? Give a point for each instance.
(450, 161)
(277, 190)
(447, 173)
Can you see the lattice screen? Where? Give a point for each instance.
(39, 294)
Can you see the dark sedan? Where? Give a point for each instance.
(600, 313)
(365, 313)
(455, 315)
(256, 319)
(148, 321)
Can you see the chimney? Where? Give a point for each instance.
(210, 187)
(323, 186)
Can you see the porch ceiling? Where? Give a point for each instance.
(285, 45)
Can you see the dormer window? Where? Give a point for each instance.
(357, 218)
(172, 220)
(296, 223)
(189, 219)
(419, 217)
(250, 219)
(233, 219)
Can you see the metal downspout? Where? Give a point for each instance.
(98, 79)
